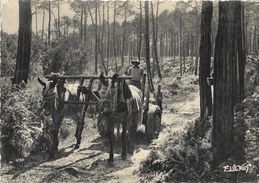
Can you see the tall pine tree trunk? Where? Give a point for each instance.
(140, 30)
(96, 41)
(36, 21)
(49, 23)
(150, 83)
(108, 38)
(24, 43)
(123, 38)
(81, 23)
(154, 30)
(43, 22)
(85, 23)
(225, 79)
(196, 42)
(180, 45)
(205, 59)
(59, 30)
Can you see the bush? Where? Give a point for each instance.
(181, 157)
(21, 121)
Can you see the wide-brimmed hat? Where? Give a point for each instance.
(135, 61)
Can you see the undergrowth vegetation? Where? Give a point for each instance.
(181, 157)
(21, 121)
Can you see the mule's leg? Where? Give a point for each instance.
(79, 130)
(132, 133)
(111, 138)
(57, 120)
(124, 138)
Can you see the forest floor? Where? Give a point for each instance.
(89, 163)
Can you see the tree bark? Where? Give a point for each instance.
(196, 41)
(192, 48)
(123, 37)
(103, 30)
(43, 22)
(49, 24)
(85, 24)
(113, 33)
(140, 31)
(150, 83)
(225, 79)
(205, 59)
(36, 20)
(24, 43)
(59, 31)
(108, 38)
(96, 41)
(154, 30)
(180, 45)
(81, 22)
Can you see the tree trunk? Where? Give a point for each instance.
(192, 49)
(123, 38)
(254, 42)
(140, 31)
(96, 41)
(184, 52)
(85, 24)
(205, 59)
(241, 58)
(151, 86)
(24, 43)
(81, 23)
(43, 22)
(196, 41)
(103, 30)
(180, 45)
(114, 21)
(108, 38)
(225, 79)
(49, 24)
(59, 31)
(36, 21)
(154, 30)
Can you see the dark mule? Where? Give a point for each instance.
(55, 93)
(121, 100)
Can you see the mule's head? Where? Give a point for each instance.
(113, 93)
(109, 92)
(49, 95)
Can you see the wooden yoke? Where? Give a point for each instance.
(51, 77)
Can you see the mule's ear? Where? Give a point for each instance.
(115, 76)
(41, 82)
(53, 83)
(103, 80)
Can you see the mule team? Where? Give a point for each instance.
(117, 98)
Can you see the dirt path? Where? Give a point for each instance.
(88, 164)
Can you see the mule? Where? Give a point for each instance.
(121, 100)
(54, 95)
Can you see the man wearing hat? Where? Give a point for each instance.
(136, 72)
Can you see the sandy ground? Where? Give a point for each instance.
(88, 164)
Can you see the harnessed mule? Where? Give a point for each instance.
(123, 100)
(55, 94)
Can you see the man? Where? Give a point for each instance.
(136, 72)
